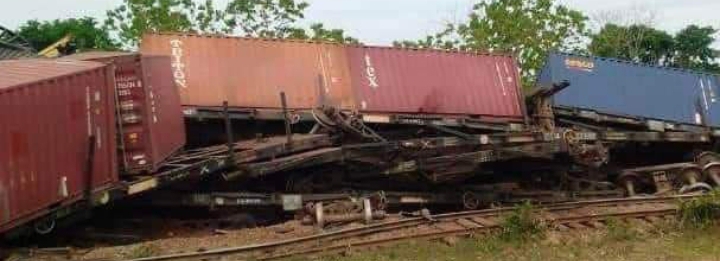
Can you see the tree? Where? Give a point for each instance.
(253, 18)
(86, 34)
(693, 49)
(446, 39)
(690, 48)
(528, 28)
(264, 18)
(135, 17)
(638, 43)
(318, 32)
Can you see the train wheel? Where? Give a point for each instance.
(629, 181)
(706, 157)
(44, 227)
(470, 200)
(698, 187)
(712, 171)
(692, 178)
(691, 175)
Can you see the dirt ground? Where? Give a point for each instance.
(199, 242)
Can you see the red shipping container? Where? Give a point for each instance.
(49, 111)
(150, 113)
(395, 80)
(251, 73)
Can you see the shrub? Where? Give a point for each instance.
(522, 224)
(701, 211)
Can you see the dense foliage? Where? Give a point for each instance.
(255, 18)
(86, 34)
(526, 28)
(689, 48)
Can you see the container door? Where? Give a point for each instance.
(708, 100)
(132, 120)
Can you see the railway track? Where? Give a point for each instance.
(561, 216)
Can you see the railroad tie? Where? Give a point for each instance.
(484, 221)
(596, 224)
(561, 227)
(575, 225)
(653, 219)
(468, 223)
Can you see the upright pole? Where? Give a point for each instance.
(89, 162)
(288, 130)
(228, 132)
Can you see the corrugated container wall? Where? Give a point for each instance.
(149, 108)
(251, 73)
(393, 80)
(49, 111)
(631, 89)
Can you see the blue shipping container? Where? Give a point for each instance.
(631, 89)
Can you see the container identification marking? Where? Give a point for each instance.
(177, 63)
(580, 63)
(370, 73)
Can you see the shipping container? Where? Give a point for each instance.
(630, 89)
(395, 80)
(251, 73)
(151, 120)
(50, 111)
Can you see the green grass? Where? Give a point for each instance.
(700, 212)
(586, 245)
(694, 236)
(522, 224)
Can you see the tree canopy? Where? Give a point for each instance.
(526, 28)
(253, 18)
(637, 43)
(318, 32)
(86, 34)
(693, 49)
(689, 48)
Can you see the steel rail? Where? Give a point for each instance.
(462, 231)
(405, 223)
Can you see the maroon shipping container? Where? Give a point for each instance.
(395, 80)
(149, 108)
(251, 73)
(50, 109)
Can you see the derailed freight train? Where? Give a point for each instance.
(435, 89)
(465, 128)
(468, 106)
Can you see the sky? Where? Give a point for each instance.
(382, 21)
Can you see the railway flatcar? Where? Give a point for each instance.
(384, 84)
